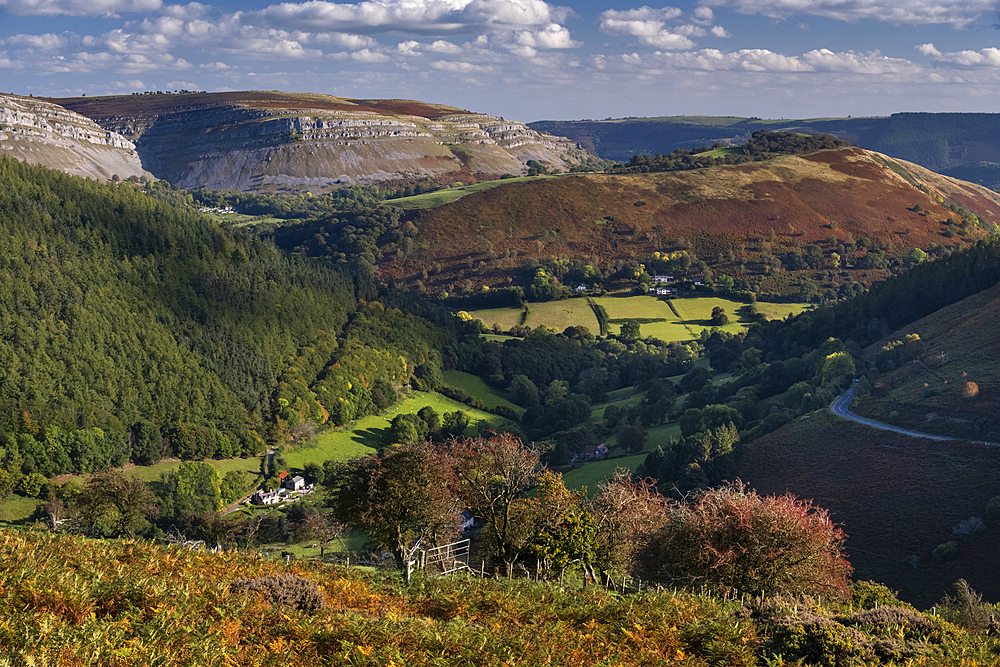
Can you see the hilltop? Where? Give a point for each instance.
(42, 133)
(274, 141)
(769, 225)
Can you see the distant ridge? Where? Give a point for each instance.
(938, 141)
(274, 141)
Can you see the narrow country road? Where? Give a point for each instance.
(841, 408)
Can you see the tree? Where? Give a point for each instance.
(111, 505)
(564, 531)
(194, 487)
(631, 437)
(719, 317)
(630, 330)
(628, 512)
(397, 496)
(494, 474)
(731, 538)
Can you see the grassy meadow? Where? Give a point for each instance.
(362, 437)
(473, 385)
(695, 314)
(448, 195)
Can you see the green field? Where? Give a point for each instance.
(695, 314)
(505, 317)
(370, 433)
(448, 195)
(591, 474)
(475, 386)
(559, 315)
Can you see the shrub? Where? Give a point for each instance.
(966, 608)
(993, 509)
(284, 590)
(968, 527)
(970, 390)
(945, 552)
(870, 594)
(731, 538)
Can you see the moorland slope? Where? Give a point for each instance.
(274, 141)
(749, 221)
(897, 498)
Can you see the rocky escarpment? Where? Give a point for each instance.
(46, 134)
(281, 141)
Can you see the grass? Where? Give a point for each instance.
(475, 386)
(591, 474)
(559, 315)
(368, 434)
(448, 195)
(695, 315)
(505, 317)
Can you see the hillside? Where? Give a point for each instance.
(769, 225)
(924, 384)
(273, 141)
(896, 497)
(938, 141)
(46, 134)
(69, 600)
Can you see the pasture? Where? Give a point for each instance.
(476, 387)
(695, 315)
(368, 434)
(448, 195)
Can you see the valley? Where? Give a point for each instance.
(599, 363)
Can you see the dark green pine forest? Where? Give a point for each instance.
(131, 329)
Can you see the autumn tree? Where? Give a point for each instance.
(397, 496)
(627, 513)
(731, 538)
(494, 473)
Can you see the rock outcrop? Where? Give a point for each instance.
(269, 141)
(47, 134)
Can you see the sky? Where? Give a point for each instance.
(525, 60)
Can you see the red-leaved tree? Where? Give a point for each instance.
(732, 539)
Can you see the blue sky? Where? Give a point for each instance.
(525, 59)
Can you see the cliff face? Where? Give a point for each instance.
(42, 133)
(281, 141)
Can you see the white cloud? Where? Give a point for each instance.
(409, 48)
(643, 14)
(765, 61)
(553, 36)
(957, 13)
(719, 31)
(458, 66)
(346, 40)
(215, 67)
(78, 7)
(649, 25)
(46, 42)
(369, 56)
(988, 57)
(410, 16)
(704, 14)
(442, 46)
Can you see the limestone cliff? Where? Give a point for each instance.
(282, 141)
(43, 133)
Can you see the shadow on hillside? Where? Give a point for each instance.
(371, 437)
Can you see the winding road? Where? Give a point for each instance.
(841, 408)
